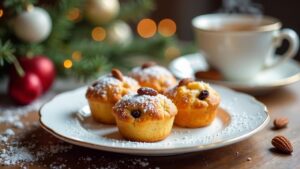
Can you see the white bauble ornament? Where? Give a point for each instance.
(119, 33)
(101, 12)
(33, 25)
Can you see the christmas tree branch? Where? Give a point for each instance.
(61, 29)
(17, 6)
(90, 67)
(29, 50)
(136, 9)
(68, 37)
(7, 54)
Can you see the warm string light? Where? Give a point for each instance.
(74, 14)
(98, 34)
(167, 27)
(1, 13)
(68, 63)
(76, 55)
(146, 28)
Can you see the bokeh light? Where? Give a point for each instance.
(76, 55)
(167, 27)
(1, 13)
(171, 52)
(74, 14)
(68, 63)
(98, 33)
(146, 28)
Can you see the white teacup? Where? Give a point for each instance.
(240, 46)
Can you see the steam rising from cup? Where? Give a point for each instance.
(241, 7)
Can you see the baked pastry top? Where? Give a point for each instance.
(110, 89)
(143, 107)
(154, 76)
(193, 94)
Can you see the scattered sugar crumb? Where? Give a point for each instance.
(18, 124)
(5, 136)
(18, 152)
(142, 162)
(15, 155)
(249, 159)
(9, 132)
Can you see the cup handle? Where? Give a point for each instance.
(293, 39)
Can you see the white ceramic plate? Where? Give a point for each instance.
(266, 81)
(67, 117)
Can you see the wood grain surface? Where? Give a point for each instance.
(255, 152)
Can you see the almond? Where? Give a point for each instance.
(185, 81)
(281, 122)
(147, 91)
(148, 64)
(116, 73)
(282, 144)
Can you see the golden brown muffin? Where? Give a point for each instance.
(105, 92)
(153, 76)
(196, 102)
(146, 116)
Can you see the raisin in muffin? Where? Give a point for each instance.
(105, 92)
(153, 76)
(196, 102)
(146, 116)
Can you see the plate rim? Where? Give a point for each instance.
(244, 86)
(156, 152)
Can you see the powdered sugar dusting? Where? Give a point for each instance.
(242, 115)
(26, 145)
(14, 149)
(103, 83)
(153, 72)
(12, 115)
(14, 155)
(108, 82)
(130, 81)
(146, 102)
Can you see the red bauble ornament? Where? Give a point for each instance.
(42, 67)
(25, 89)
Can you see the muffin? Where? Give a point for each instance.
(105, 92)
(153, 76)
(196, 102)
(146, 116)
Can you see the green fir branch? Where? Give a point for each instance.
(68, 36)
(136, 9)
(90, 67)
(29, 50)
(7, 55)
(61, 26)
(17, 6)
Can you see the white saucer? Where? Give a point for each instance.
(240, 116)
(283, 74)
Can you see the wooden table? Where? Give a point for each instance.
(255, 152)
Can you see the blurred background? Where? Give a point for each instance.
(83, 39)
(182, 13)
